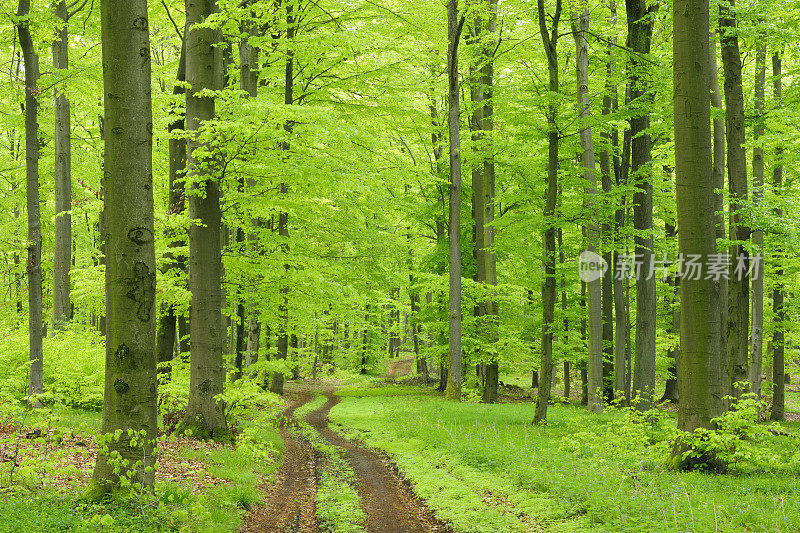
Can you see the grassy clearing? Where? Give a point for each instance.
(487, 469)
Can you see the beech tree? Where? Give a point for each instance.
(34, 264)
(129, 425)
(699, 327)
(204, 413)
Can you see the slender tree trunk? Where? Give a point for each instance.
(719, 207)
(167, 323)
(34, 264)
(204, 414)
(640, 32)
(674, 326)
(583, 365)
(62, 176)
(563, 280)
(492, 321)
(455, 25)
(580, 27)
(757, 332)
(700, 356)
(778, 294)
(130, 373)
(276, 384)
(738, 285)
(549, 41)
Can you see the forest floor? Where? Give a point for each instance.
(388, 502)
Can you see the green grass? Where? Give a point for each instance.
(487, 469)
(395, 390)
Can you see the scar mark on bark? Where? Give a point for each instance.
(204, 387)
(142, 290)
(120, 386)
(140, 24)
(140, 235)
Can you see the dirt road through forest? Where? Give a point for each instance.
(387, 499)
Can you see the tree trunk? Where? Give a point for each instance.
(640, 32)
(130, 373)
(276, 383)
(204, 414)
(719, 208)
(738, 285)
(674, 326)
(778, 294)
(580, 27)
(549, 40)
(167, 326)
(700, 356)
(610, 138)
(454, 28)
(34, 265)
(757, 332)
(62, 244)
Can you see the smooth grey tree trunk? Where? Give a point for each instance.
(640, 32)
(779, 293)
(719, 208)
(696, 199)
(454, 27)
(129, 401)
(277, 379)
(204, 414)
(549, 41)
(34, 264)
(757, 326)
(739, 283)
(62, 176)
(580, 27)
(168, 320)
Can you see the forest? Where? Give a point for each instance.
(389, 266)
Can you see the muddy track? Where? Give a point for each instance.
(290, 503)
(387, 499)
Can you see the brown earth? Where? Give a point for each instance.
(387, 499)
(289, 503)
(400, 368)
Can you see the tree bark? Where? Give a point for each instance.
(779, 293)
(757, 331)
(580, 27)
(34, 264)
(276, 383)
(454, 27)
(167, 323)
(130, 373)
(719, 207)
(204, 414)
(549, 41)
(700, 355)
(490, 261)
(62, 176)
(671, 388)
(738, 284)
(640, 33)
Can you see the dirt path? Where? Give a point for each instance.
(386, 498)
(400, 368)
(290, 504)
(388, 501)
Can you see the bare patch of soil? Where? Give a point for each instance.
(290, 503)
